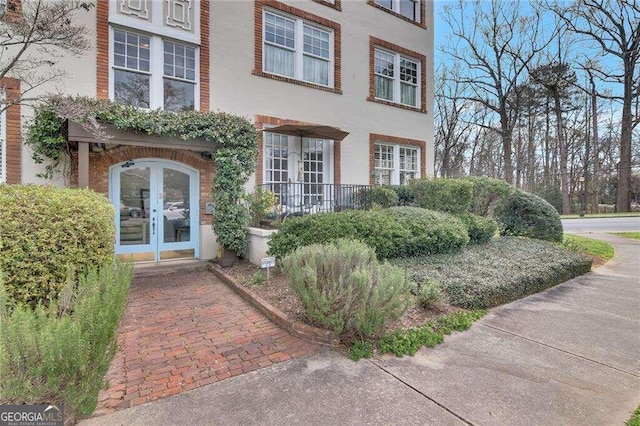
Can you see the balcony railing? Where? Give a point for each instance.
(296, 199)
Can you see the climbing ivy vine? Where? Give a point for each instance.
(233, 145)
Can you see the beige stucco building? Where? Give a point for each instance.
(365, 67)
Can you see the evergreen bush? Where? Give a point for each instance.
(60, 353)
(43, 231)
(527, 215)
(480, 229)
(444, 195)
(343, 288)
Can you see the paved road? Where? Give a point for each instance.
(568, 356)
(612, 224)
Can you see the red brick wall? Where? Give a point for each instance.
(373, 42)
(337, 4)
(337, 43)
(13, 154)
(102, 49)
(422, 22)
(204, 55)
(260, 122)
(373, 138)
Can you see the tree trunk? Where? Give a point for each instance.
(596, 158)
(506, 136)
(623, 199)
(564, 176)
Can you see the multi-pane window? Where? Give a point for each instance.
(131, 68)
(395, 165)
(408, 164)
(277, 163)
(294, 48)
(396, 78)
(407, 8)
(179, 76)
(149, 72)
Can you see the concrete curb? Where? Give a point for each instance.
(298, 329)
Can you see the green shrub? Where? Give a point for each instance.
(45, 229)
(444, 195)
(430, 296)
(480, 229)
(343, 287)
(398, 231)
(429, 231)
(60, 354)
(552, 194)
(374, 228)
(487, 194)
(405, 196)
(378, 196)
(261, 202)
(527, 215)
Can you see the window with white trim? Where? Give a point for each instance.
(408, 8)
(276, 156)
(152, 72)
(395, 164)
(297, 49)
(396, 78)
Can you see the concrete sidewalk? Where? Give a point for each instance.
(570, 355)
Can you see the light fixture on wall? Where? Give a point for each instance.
(128, 163)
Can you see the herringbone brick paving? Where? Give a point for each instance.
(183, 331)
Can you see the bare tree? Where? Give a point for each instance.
(614, 28)
(34, 36)
(494, 42)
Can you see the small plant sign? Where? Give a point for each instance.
(267, 262)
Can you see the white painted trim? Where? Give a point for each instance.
(157, 26)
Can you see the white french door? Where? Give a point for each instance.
(298, 170)
(157, 209)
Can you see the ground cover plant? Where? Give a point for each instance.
(500, 271)
(635, 418)
(588, 246)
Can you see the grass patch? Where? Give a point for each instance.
(634, 235)
(408, 342)
(588, 246)
(635, 418)
(503, 270)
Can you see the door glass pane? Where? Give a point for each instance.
(133, 211)
(313, 157)
(176, 211)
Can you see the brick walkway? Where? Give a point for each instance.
(183, 331)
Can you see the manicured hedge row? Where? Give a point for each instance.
(443, 195)
(44, 232)
(399, 231)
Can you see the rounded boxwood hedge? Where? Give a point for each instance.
(374, 228)
(527, 215)
(44, 232)
(442, 194)
(480, 229)
(394, 232)
(429, 231)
